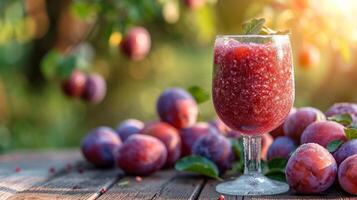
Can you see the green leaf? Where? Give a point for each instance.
(66, 66)
(351, 133)
(269, 31)
(334, 145)
(344, 119)
(253, 27)
(198, 164)
(49, 64)
(238, 149)
(199, 94)
(277, 163)
(276, 174)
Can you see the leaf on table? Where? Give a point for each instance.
(276, 174)
(277, 163)
(351, 133)
(344, 119)
(198, 164)
(334, 145)
(199, 94)
(253, 26)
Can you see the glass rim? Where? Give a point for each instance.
(252, 36)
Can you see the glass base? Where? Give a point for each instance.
(250, 184)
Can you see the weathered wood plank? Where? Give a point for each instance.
(147, 188)
(182, 186)
(22, 170)
(89, 184)
(209, 192)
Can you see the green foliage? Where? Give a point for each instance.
(351, 133)
(344, 119)
(253, 27)
(198, 164)
(55, 65)
(334, 145)
(199, 94)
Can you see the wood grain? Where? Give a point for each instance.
(209, 192)
(34, 168)
(89, 184)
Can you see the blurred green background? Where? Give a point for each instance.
(34, 112)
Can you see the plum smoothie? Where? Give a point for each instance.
(253, 84)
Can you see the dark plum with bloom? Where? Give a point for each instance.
(177, 107)
(136, 43)
(279, 131)
(128, 128)
(99, 146)
(95, 89)
(141, 155)
(220, 126)
(75, 84)
(296, 123)
(323, 133)
(347, 149)
(267, 140)
(216, 148)
(169, 136)
(347, 175)
(343, 108)
(311, 169)
(190, 135)
(282, 147)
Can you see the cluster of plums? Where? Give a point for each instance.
(91, 88)
(311, 168)
(143, 148)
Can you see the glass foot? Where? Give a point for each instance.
(252, 185)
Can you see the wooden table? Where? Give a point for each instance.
(64, 175)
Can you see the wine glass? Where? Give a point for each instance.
(253, 92)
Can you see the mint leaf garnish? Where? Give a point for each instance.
(199, 94)
(351, 133)
(268, 31)
(334, 145)
(253, 27)
(198, 164)
(344, 119)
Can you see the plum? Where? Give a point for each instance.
(267, 140)
(220, 126)
(75, 84)
(279, 131)
(177, 107)
(99, 146)
(128, 128)
(190, 135)
(343, 108)
(347, 175)
(347, 149)
(296, 123)
(141, 155)
(136, 43)
(323, 133)
(216, 148)
(282, 147)
(95, 89)
(311, 169)
(169, 136)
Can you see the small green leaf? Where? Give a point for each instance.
(66, 66)
(276, 174)
(123, 183)
(269, 31)
(344, 119)
(49, 64)
(199, 165)
(351, 133)
(277, 163)
(199, 94)
(253, 27)
(238, 149)
(334, 145)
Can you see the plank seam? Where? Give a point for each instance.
(106, 187)
(199, 191)
(163, 186)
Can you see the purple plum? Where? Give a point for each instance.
(347, 175)
(343, 108)
(282, 147)
(136, 43)
(75, 84)
(128, 128)
(95, 89)
(347, 149)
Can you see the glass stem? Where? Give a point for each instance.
(252, 148)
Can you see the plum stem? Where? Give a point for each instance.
(252, 147)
